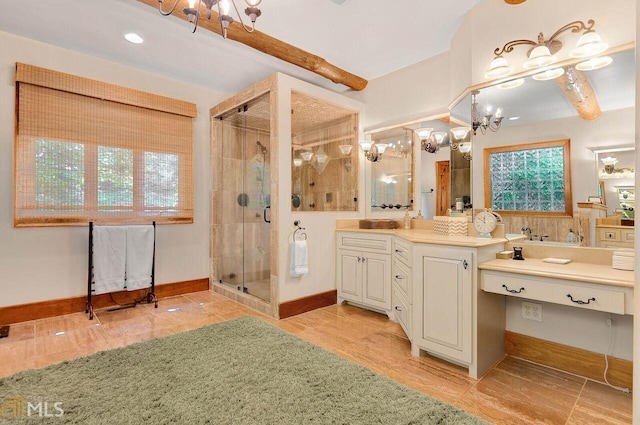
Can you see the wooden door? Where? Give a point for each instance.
(443, 188)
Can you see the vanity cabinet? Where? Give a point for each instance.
(614, 236)
(443, 317)
(363, 266)
(402, 287)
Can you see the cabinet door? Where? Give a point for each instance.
(377, 280)
(447, 302)
(349, 275)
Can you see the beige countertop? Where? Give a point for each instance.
(429, 237)
(576, 271)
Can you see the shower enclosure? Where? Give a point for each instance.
(244, 221)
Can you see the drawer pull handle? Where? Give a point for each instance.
(398, 250)
(465, 264)
(580, 301)
(398, 308)
(399, 277)
(513, 291)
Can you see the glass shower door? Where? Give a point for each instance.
(245, 244)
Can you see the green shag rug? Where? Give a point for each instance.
(243, 371)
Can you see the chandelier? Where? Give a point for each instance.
(542, 52)
(487, 121)
(224, 15)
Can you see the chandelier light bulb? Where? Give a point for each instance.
(499, 67)
(594, 63)
(465, 147)
(366, 145)
(225, 7)
(549, 74)
(297, 162)
(511, 84)
(459, 133)
(253, 3)
(424, 133)
(589, 44)
(381, 147)
(540, 56)
(192, 4)
(439, 136)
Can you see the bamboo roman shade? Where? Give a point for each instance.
(91, 151)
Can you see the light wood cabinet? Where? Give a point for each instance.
(363, 266)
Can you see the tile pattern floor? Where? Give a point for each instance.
(512, 392)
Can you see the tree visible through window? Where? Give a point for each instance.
(91, 151)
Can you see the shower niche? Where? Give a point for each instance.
(279, 148)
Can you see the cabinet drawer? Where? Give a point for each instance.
(584, 296)
(401, 276)
(363, 242)
(627, 235)
(609, 235)
(402, 251)
(402, 311)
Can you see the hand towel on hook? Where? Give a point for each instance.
(299, 258)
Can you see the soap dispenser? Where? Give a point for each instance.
(407, 220)
(571, 237)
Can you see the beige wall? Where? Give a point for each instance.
(636, 303)
(411, 93)
(47, 263)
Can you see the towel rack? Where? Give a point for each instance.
(297, 224)
(149, 298)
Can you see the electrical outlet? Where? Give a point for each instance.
(532, 311)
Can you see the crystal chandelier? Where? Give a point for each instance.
(224, 13)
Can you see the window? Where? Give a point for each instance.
(90, 151)
(531, 179)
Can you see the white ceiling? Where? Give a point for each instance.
(368, 38)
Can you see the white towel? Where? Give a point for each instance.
(299, 258)
(139, 257)
(109, 256)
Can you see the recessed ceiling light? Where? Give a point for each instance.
(513, 118)
(171, 310)
(134, 38)
(59, 333)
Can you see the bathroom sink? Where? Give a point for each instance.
(378, 223)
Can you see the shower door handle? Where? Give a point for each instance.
(264, 214)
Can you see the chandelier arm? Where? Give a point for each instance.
(244, 27)
(170, 11)
(575, 26)
(507, 48)
(195, 20)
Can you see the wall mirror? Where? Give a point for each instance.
(417, 145)
(524, 110)
(615, 168)
(324, 166)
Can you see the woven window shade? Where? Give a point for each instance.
(125, 156)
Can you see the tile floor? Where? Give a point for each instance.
(513, 392)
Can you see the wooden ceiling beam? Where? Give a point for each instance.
(273, 47)
(576, 86)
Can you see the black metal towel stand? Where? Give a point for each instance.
(151, 294)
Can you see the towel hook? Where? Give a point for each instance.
(297, 224)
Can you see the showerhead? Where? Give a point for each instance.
(263, 149)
